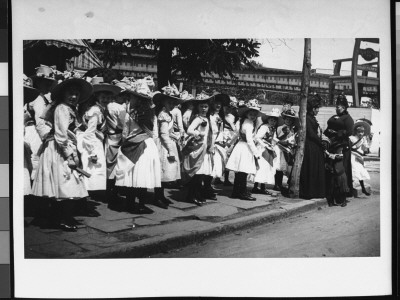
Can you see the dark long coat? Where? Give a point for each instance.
(312, 174)
(343, 125)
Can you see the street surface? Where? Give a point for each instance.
(351, 231)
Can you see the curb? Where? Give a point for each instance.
(157, 244)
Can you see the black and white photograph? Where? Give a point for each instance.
(166, 140)
(169, 153)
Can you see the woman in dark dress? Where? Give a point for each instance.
(312, 174)
(340, 127)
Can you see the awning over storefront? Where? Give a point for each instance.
(51, 52)
(74, 45)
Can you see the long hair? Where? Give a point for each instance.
(195, 112)
(84, 106)
(221, 113)
(244, 118)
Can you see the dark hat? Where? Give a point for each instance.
(313, 101)
(342, 100)
(158, 98)
(223, 98)
(30, 93)
(85, 88)
(100, 86)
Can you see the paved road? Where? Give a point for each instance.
(351, 231)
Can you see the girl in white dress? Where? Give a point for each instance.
(359, 146)
(197, 159)
(231, 117)
(245, 155)
(138, 165)
(284, 141)
(90, 137)
(265, 174)
(57, 177)
(166, 143)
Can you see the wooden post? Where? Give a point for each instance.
(294, 187)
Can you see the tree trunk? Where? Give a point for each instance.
(294, 188)
(164, 63)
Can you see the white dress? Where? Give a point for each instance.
(170, 170)
(54, 178)
(195, 129)
(242, 158)
(90, 143)
(146, 171)
(280, 162)
(266, 172)
(34, 133)
(357, 161)
(219, 156)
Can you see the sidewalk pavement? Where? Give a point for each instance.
(116, 234)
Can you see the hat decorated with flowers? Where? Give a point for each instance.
(186, 96)
(250, 105)
(241, 103)
(233, 102)
(169, 92)
(274, 113)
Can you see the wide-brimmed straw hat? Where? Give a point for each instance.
(169, 93)
(202, 97)
(274, 113)
(250, 105)
(30, 93)
(85, 88)
(359, 123)
(290, 113)
(100, 86)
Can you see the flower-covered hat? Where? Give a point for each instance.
(274, 113)
(170, 93)
(250, 105)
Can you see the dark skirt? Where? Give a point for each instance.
(312, 174)
(347, 168)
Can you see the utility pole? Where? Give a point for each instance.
(294, 187)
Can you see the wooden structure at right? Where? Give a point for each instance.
(361, 84)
